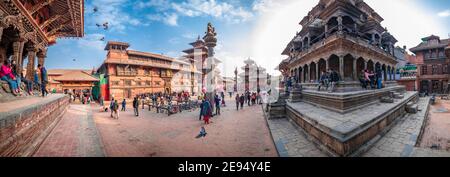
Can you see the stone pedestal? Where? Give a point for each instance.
(412, 108)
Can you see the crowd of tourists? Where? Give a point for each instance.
(8, 73)
(329, 79)
(371, 79)
(249, 98)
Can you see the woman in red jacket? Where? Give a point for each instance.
(7, 75)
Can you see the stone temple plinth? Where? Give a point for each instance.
(346, 40)
(342, 124)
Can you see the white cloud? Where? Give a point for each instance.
(190, 36)
(113, 14)
(169, 19)
(161, 4)
(445, 13)
(195, 8)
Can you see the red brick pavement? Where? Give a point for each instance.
(241, 133)
(437, 131)
(74, 136)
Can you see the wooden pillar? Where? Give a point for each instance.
(393, 73)
(341, 67)
(317, 71)
(302, 75)
(1, 32)
(327, 64)
(17, 54)
(308, 74)
(355, 70)
(365, 64)
(41, 57)
(326, 30)
(31, 62)
(2, 54)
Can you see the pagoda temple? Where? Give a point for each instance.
(253, 78)
(28, 27)
(201, 55)
(345, 37)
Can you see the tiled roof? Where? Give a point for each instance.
(72, 75)
(426, 45)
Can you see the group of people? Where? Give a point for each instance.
(251, 98)
(114, 106)
(206, 107)
(84, 98)
(327, 79)
(8, 73)
(371, 80)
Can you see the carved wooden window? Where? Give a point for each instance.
(158, 83)
(148, 83)
(441, 53)
(128, 82)
(445, 69)
(433, 54)
(434, 69)
(424, 70)
(426, 55)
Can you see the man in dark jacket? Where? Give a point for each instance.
(334, 78)
(44, 80)
(323, 81)
(242, 100)
(136, 106)
(217, 102)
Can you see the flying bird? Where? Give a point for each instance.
(105, 25)
(102, 39)
(95, 9)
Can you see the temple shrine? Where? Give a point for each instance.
(344, 36)
(201, 55)
(27, 29)
(253, 78)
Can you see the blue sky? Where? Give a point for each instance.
(259, 29)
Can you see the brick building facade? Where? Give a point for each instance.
(432, 65)
(130, 73)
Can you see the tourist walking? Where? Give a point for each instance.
(124, 104)
(217, 101)
(111, 107)
(116, 109)
(136, 106)
(248, 99)
(237, 99)
(44, 80)
(6, 74)
(101, 101)
(207, 111)
(242, 100)
(201, 110)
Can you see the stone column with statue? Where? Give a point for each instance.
(209, 72)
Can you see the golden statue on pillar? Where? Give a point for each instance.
(211, 30)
